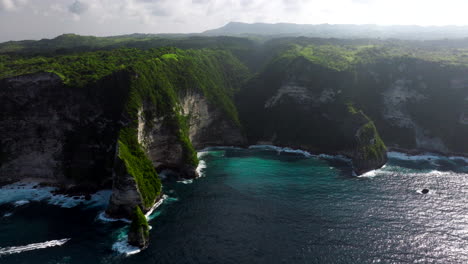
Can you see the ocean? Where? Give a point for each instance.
(259, 205)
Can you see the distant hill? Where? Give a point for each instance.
(341, 31)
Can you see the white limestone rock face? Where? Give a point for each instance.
(208, 124)
(395, 99)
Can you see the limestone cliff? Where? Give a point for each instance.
(58, 134)
(300, 104)
(209, 125)
(417, 105)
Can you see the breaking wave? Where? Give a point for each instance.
(23, 193)
(124, 248)
(426, 156)
(35, 246)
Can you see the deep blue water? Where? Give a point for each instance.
(258, 206)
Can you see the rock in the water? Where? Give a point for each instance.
(138, 234)
(424, 191)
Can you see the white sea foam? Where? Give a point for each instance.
(21, 202)
(156, 205)
(201, 168)
(105, 218)
(124, 248)
(426, 156)
(7, 214)
(208, 149)
(431, 191)
(279, 150)
(202, 153)
(189, 181)
(369, 174)
(35, 246)
(335, 157)
(122, 245)
(22, 193)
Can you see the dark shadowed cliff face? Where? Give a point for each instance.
(417, 105)
(300, 104)
(56, 133)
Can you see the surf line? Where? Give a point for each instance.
(30, 247)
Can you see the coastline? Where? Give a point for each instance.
(72, 190)
(419, 152)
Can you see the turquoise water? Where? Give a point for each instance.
(261, 206)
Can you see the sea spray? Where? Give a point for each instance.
(121, 245)
(304, 153)
(34, 246)
(102, 216)
(426, 156)
(279, 150)
(186, 181)
(21, 202)
(201, 168)
(23, 193)
(156, 205)
(124, 248)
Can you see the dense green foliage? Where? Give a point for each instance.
(371, 144)
(329, 73)
(139, 166)
(139, 223)
(160, 77)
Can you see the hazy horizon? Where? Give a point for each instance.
(34, 19)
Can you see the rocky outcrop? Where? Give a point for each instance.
(138, 234)
(125, 193)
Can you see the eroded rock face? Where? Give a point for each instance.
(304, 107)
(208, 125)
(54, 133)
(138, 234)
(160, 142)
(138, 239)
(417, 105)
(125, 194)
(33, 133)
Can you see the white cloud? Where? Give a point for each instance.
(110, 17)
(10, 5)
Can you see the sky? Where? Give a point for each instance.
(36, 19)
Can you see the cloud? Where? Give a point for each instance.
(9, 5)
(78, 8)
(39, 18)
